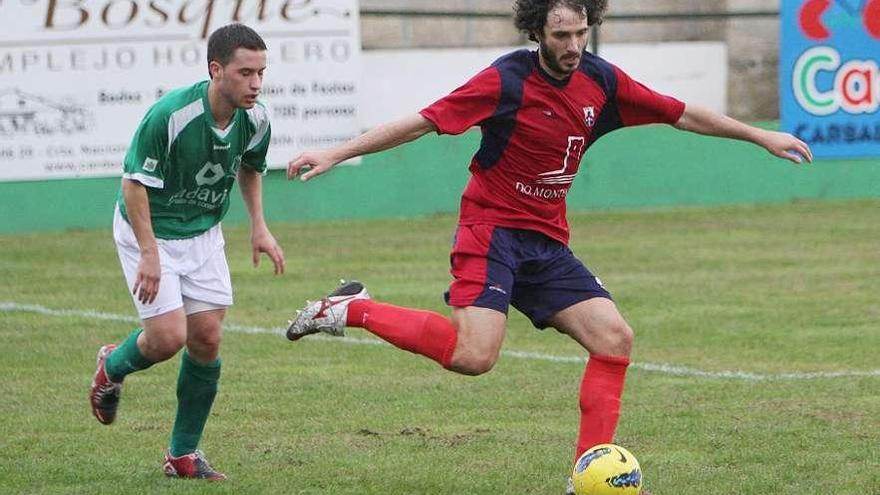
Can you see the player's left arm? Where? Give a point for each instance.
(262, 240)
(704, 121)
(250, 179)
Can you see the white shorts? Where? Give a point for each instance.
(195, 275)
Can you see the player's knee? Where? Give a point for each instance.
(473, 364)
(205, 342)
(621, 338)
(474, 368)
(160, 346)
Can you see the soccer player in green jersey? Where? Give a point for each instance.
(185, 156)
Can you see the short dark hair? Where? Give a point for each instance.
(530, 16)
(225, 40)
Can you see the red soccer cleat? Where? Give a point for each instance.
(191, 466)
(104, 395)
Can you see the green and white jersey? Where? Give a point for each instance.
(187, 164)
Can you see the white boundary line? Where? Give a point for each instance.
(662, 368)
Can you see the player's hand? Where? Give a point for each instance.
(310, 164)
(786, 146)
(262, 241)
(146, 284)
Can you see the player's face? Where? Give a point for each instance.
(563, 41)
(240, 81)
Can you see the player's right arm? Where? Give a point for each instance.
(383, 137)
(467, 106)
(144, 166)
(137, 206)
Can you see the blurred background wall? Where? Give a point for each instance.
(752, 39)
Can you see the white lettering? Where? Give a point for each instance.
(201, 197)
(536, 191)
(64, 59)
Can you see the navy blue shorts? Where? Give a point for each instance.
(496, 267)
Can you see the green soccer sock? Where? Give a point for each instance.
(196, 388)
(126, 358)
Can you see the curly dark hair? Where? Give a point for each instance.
(530, 16)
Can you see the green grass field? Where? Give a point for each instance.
(755, 366)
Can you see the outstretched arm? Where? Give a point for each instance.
(379, 138)
(704, 121)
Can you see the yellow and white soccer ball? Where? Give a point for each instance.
(607, 469)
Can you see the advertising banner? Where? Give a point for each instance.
(829, 75)
(77, 76)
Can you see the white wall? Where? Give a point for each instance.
(399, 82)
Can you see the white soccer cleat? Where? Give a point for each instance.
(329, 314)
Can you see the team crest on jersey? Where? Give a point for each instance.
(150, 164)
(590, 116)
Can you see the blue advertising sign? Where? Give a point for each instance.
(829, 75)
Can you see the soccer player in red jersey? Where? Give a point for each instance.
(539, 111)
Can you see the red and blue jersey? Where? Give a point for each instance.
(535, 131)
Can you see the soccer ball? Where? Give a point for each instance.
(607, 469)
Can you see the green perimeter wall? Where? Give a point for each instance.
(640, 167)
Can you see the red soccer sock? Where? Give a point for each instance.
(601, 389)
(422, 332)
